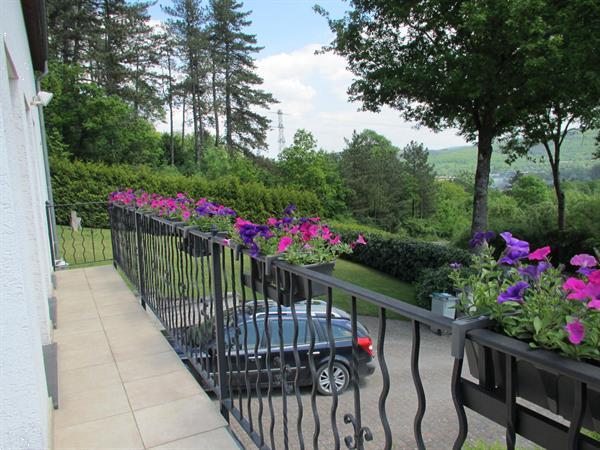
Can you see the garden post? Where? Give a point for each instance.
(140, 258)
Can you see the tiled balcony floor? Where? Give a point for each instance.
(121, 385)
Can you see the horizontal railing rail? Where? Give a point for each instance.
(266, 338)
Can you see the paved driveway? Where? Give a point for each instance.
(439, 426)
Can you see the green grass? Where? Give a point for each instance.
(88, 247)
(369, 279)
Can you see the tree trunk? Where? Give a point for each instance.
(183, 122)
(172, 136)
(195, 119)
(215, 106)
(228, 138)
(560, 195)
(482, 179)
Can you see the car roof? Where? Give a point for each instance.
(318, 309)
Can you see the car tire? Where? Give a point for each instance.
(341, 378)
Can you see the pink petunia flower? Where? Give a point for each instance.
(361, 240)
(594, 304)
(335, 240)
(539, 254)
(271, 221)
(284, 243)
(594, 277)
(576, 331)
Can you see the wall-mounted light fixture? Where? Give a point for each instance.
(41, 98)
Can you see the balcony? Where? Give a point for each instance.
(193, 293)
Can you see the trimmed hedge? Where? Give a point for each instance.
(75, 182)
(400, 257)
(430, 281)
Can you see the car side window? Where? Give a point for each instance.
(236, 335)
(287, 328)
(340, 332)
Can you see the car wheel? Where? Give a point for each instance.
(341, 378)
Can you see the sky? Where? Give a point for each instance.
(312, 89)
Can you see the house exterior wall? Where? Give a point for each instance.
(25, 265)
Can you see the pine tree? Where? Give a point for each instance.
(73, 26)
(232, 50)
(187, 26)
(416, 164)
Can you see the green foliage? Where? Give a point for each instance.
(85, 122)
(529, 189)
(303, 166)
(421, 182)
(372, 170)
(84, 182)
(401, 258)
(430, 281)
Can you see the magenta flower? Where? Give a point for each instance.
(585, 263)
(185, 215)
(539, 254)
(594, 277)
(335, 240)
(576, 331)
(325, 233)
(594, 304)
(271, 221)
(514, 293)
(361, 240)
(284, 243)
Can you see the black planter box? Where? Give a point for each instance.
(196, 246)
(297, 286)
(551, 391)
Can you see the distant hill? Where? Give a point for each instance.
(576, 160)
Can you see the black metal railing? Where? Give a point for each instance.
(227, 314)
(79, 233)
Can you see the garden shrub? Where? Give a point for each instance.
(76, 182)
(400, 257)
(430, 281)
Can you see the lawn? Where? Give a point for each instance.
(88, 247)
(370, 279)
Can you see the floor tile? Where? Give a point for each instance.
(77, 326)
(116, 309)
(116, 432)
(130, 321)
(177, 420)
(90, 340)
(75, 359)
(161, 389)
(91, 405)
(209, 440)
(135, 349)
(150, 366)
(88, 378)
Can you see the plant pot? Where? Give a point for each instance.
(298, 286)
(196, 246)
(548, 390)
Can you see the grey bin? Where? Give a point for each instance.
(443, 304)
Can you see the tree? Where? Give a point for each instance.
(72, 26)
(415, 158)
(372, 170)
(86, 123)
(444, 63)
(570, 58)
(187, 25)
(307, 167)
(234, 74)
(529, 190)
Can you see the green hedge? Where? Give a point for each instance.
(430, 281)
(397, 256)
(75, 182)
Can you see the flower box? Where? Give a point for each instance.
(199, 246)
(550, 391)
(297, 287)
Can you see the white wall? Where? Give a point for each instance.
(25, 265)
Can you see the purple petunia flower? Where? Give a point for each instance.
(480, 237)
(289, 210)
(534, 271)
(455, 265)
(576, 331)
(516, 249)
(514, 293)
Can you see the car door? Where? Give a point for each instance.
(288, 364)
(245, 361)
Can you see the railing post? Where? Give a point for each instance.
(51, 236)
(140, 259)
(222, 367)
